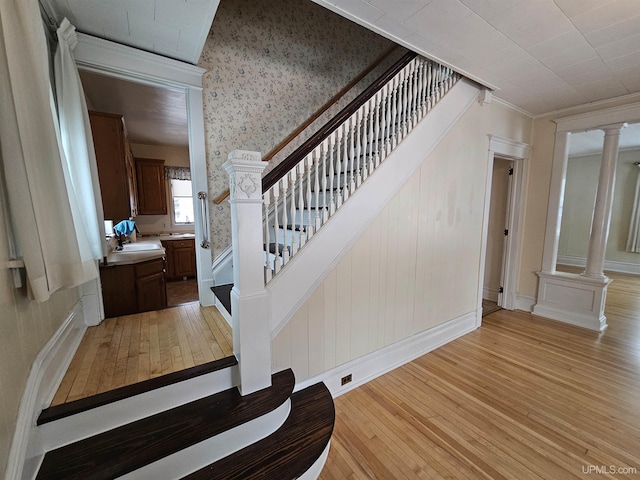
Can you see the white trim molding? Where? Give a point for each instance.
(368, 367)
(519, 153)
(609, 265)
(525, 302)
(574, 299)
(127, 63)
(46, 374)
(592, 120)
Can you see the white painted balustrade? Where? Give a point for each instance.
(313, 190)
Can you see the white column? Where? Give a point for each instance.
(249, 299)
(604, 202)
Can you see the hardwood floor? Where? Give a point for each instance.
(126, 350)
(520, 398)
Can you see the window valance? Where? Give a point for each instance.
(177, 173)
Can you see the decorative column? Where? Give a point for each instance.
(604, 202)
(249, 299)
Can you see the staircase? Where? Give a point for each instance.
(179, 426)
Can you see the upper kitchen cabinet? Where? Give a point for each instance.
(152, 194)
(115, 166)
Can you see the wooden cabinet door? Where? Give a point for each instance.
(151, 285)
(152, 292)
(109, 144)
(152, 192)
(184, 258)
(118, 290)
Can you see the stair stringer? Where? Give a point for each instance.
(309, 267)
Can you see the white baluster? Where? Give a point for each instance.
(308, 163)
(266, 203)
(334, 147)
(410, 109)
(384, 150)
(339, 159)
(372, 138)
(376, 129)
(415, 93)
(345, 160)
(352, 154)
(316, 188)
(284, 182)
(422, 88)
(430, 69)
(394, 109)
(292, 206)
(300, 205)
(358, 146)
(323, 157)
(364, 140)
(404, 105)
(276, 229)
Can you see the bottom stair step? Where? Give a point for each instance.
(287, 453)
(124, 449)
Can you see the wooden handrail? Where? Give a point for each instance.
(220, 198)
(292, 160)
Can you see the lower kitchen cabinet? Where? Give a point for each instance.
(134, 288)
(181, 258)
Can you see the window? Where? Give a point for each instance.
(182, 202)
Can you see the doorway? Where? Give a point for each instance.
(500, 252)
(119, 62)
(497, 233)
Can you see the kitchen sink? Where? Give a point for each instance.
(139, 247)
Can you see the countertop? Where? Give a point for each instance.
(146, 248)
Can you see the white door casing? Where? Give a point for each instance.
(119, 61)
(519, 153)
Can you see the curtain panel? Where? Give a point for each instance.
(41, 213)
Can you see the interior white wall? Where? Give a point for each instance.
(495, 232)
(580, 191)
(417, 265)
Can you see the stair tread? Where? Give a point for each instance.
(77, 406)
(132, 446)
(286, 453)
(223, 293)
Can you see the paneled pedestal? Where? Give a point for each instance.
(574, 299)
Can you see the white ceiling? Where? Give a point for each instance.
(153, 116)
(171, 28)
(538, 55)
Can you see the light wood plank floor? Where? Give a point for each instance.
(520, 398)
(125, 350)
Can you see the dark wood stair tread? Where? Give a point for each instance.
(71, 408)
(132, 446)
(223, 293)
(286, 453)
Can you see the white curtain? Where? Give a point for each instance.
(32, 156)
(79, 165)
(633, 241)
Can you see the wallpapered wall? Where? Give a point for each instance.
(268, 70)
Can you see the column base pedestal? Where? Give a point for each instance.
(573, 299)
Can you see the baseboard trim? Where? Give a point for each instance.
(46, 374)
(490, 294)
(525, 303)
(378, 363)
(611, 265)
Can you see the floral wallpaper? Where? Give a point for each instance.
(270, 66)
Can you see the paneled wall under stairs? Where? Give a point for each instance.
(415, 267)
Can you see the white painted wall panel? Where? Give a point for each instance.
(417, 264)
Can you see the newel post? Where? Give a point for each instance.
(249, 299)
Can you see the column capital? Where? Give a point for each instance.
(245, 174)
(613, 128)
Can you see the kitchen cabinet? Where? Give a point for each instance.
(133, 288)
(116, 170)
(152, 191)
(181, 258)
